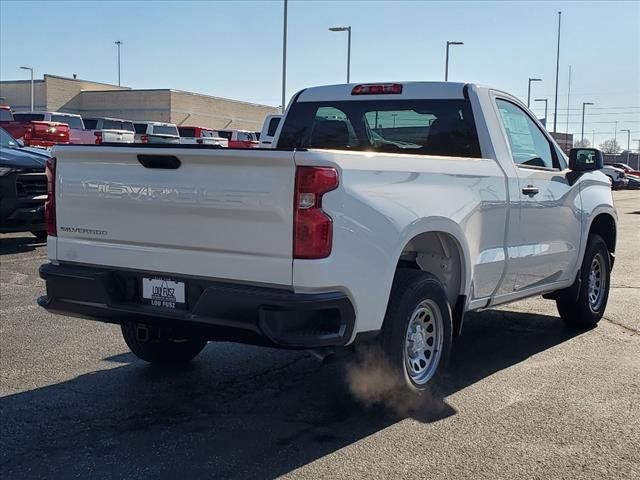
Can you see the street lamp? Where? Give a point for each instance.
(118, 44)
(446, 60)
(529, 90)
(348, 30)
(628, 137)
(31, 70)
(546, 103)
(584, 104)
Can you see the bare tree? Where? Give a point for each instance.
(610, 146)
(584, 143)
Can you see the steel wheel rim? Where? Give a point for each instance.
(597, 282)
(423, 342)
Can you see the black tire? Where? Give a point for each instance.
(40, 235)
(161, 348)
(581, 310)
(411, 289)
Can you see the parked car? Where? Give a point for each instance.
(269, 128)
(110, 130)
(633, 182)
(156, 132)
(33, 133)
(627, 169)
(77, 133)
(23, 187)
(201, 136)
(460, 201)
(240, 138)
(616, 175)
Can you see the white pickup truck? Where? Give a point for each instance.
(384, 210)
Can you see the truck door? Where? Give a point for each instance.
(544, 249)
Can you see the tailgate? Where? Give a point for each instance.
(221, 214)
(117, 136)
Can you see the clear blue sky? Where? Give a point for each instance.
(234, 49)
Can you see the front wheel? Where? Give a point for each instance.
(154, 345)
(417, 329)
(585, 309)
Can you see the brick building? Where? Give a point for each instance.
(92, 99)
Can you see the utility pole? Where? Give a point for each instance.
(555, 110)
(118, 44)
(284, 59)
(584, 104)
(628, 141)
(615, 131)
(566, 130)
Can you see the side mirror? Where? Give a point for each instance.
(585, 159)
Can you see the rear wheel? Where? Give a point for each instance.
(417, 331)
(585, 309)
(155, 345)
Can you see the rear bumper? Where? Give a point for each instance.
(220, 311)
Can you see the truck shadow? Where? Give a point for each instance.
(28, 243)
(237, 412)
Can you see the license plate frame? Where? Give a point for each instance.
(164, 292)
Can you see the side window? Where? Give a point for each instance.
(529, 146)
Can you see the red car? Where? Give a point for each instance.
(34, 133)
(627, 169)
(240, 138)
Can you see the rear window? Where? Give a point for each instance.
(28, 117)
(114, 125)
(225, 134)
(90, 123)
(5, 115)
(128, 126)
(140, 127)
(165, 130)
(423, 127)
(187, 131)
(246, 136)
(73, 122)
(273, 126)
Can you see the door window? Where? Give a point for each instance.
(529, 146)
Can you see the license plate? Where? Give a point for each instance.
(163, 292)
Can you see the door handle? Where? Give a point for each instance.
(530, 190)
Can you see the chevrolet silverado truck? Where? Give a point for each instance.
(33, 133)
(384, 212)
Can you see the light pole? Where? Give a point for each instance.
(615, 130)
(555, 110)
(446, 59)
(546, 103)
(348, 30)
(628, 140)
(118, 44)
(584, 104)
(31, 70)
(529, 90)
(638, 155)
(284, 57)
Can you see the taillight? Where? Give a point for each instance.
(98, 136)
(377, 89)
(50, 203)
(312, 227)
(144, 139)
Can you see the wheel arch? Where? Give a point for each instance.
(604, 225)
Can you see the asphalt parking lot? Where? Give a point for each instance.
(526, 398)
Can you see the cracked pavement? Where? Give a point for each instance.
(525, 397)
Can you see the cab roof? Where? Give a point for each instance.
(410, 90)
